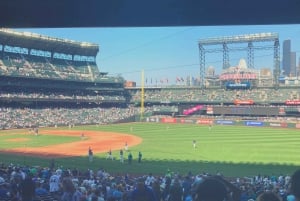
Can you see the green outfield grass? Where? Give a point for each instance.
(25, 139)
(232, 150)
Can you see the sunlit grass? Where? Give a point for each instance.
(233, 150)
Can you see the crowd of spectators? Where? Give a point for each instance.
(60, 96)
(22, 183)
(48, 117)
(43, 67)
(27, 117)
(217, 95)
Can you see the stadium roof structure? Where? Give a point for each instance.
(46, 43)
(257, 37)
(249, 39)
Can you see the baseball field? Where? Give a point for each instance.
(231, 150)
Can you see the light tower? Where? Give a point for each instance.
(249, 39)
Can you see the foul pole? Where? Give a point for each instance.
(142, 95)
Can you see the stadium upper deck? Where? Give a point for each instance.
(32, 55)
(33, 64)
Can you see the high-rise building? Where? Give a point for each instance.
(298, 68)
(293, 69)
(286, 57)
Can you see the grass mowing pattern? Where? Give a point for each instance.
(233, 150)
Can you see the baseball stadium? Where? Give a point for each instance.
(61, 115)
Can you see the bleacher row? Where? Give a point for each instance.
(217, 95)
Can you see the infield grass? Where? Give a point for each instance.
(232, 150)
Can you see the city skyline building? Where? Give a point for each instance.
(286, 57)
(293, 69)
(298, 67)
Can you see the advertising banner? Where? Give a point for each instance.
(254, 123)
(238, 76)
(209, 110)
(224, 122)
(204, 121)
(243, 102)
(168, 120)
(292, 102)
(192, 109)
(280, 125)
(152, 119)
(189, 121)
(245, 110)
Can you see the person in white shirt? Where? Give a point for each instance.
(54, 182)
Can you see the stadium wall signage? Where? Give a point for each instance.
(282, 125)
(187, 121)
(204, 121)
(224, 122)
(292, 102)
(254, 123)
(243, 102)
(168, 120)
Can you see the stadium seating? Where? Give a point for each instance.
(268, 95)
(109, 186)
(42, 67)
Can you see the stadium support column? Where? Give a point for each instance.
(202, 64)
(276, 63)
(225, 56)
(250, 55)
(142, 95)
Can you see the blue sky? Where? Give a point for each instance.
(167, 52)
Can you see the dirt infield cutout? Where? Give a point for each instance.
(99, 142)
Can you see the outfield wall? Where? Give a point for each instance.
(211, 121)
